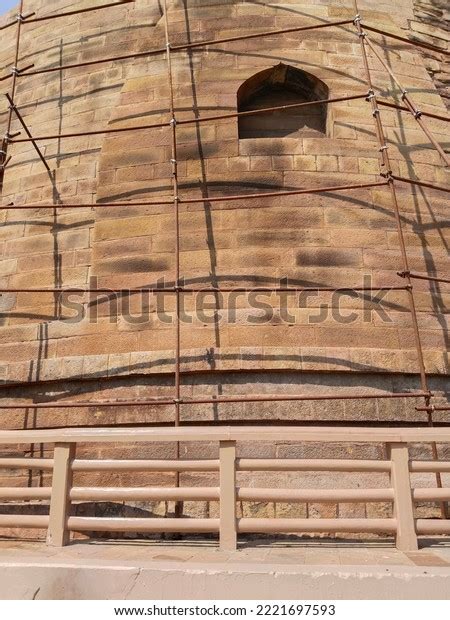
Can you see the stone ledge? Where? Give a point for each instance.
(226, 359)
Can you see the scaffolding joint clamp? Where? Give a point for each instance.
(417, 113)
(357, 19)
(173, 122)
(370, 95)
(383, 148)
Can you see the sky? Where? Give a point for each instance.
(5, 5)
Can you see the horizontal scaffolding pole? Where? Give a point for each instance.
(427, 46)
(192, 121)
(439, 188)
(77, 12)
(21, 18)
(295, 192)
(187, 46)
(431, 408)
(209, 400)
(387, 104)
(417, 276)
(223, 289)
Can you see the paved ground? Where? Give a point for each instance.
(190, 569)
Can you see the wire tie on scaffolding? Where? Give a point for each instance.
(3, 166)
(383, 148)
(403, 274)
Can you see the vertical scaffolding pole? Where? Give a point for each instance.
(176, 206)
(386, 170)
(5, 140)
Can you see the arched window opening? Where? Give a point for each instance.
(282, 85)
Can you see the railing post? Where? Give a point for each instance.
(228, 535)
(58, 534)
(406, 539)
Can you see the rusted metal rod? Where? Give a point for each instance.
(176, 207)
(416, 113)
(295, 192)
(208, 400)
(418, 276)
(432, 408)
(19, 18)
(78, 11)
(395, 106)
(388, 173)
(6, 137)
(426, 46)
(193, 121)
(178, 48)
(209, 289)
(440, 188)
(27, 131)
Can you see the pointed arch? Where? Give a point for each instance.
(282, 85)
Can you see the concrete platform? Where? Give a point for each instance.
(154, 570)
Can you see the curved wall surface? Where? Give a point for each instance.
(107, 346)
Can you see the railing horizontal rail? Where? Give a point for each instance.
(342, 465)
(315, 495)
(25, 493)
(24, 521)
(432, 526)
(98, 494)
(156, 525)
(144, 465)
(26, 463)
(429, 466)
(261, 525)
(431, 495)
(142, 434)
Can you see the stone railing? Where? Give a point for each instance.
(62, 493)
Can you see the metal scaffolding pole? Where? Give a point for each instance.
(14, 72)
(387, 172)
